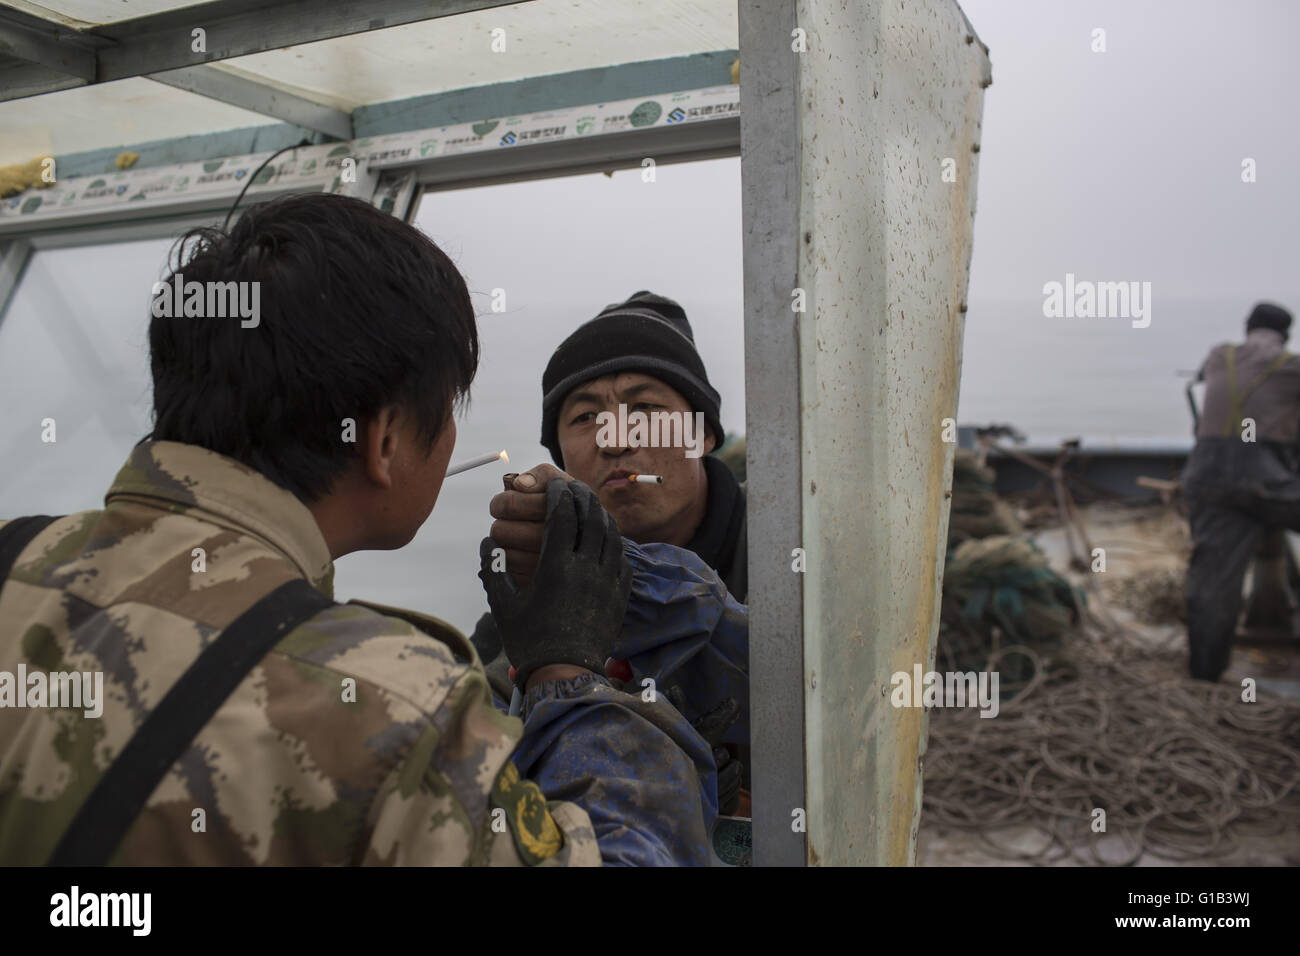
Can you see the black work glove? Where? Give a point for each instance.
(712, 726)
(486, 639)
(572, 610)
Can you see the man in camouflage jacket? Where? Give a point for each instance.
(367, 735)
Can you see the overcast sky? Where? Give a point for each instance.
(1127, 164)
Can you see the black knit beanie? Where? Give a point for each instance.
(647, 333)
(1266, 315)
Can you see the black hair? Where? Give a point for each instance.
(1266, 315)
(358, 311)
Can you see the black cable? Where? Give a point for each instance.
(265, 163)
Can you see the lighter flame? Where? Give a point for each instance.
(504, 457)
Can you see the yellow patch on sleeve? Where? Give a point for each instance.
(536, 836)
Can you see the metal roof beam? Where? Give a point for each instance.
(58, 48)
(13, 259)
(18, 79)
(232, 28)
(42, 56)
(259, 98)
(597, 154)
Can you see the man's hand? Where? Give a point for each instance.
(573, 610)
(521, 515)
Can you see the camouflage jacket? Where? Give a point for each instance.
(366, 736)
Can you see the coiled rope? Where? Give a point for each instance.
(1184, 769)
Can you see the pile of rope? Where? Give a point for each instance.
(995, 579)
(1093, 716)
(1002, 585)
(1156, 596)
(1183, 769)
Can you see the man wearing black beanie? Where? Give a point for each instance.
(639, 354)
(1241, 478)
(635, 357)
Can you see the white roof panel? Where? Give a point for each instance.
(542, 37)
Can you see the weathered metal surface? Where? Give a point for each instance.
(887, 92)
(770, 210)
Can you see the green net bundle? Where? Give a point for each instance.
(1000, 591)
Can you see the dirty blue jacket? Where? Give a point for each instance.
(683, 629)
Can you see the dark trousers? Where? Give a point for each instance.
(1236, 491)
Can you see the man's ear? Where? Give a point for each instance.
(710, 440)
(379, 446)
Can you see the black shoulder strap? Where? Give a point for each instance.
(15, 536)
(120, 795)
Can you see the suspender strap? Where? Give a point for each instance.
(15, 536)
(1237, 400)
(168, 731)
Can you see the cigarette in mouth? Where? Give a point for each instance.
(477, 462)
(646, 479)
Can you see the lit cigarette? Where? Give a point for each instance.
(477, 462)
(646, 479)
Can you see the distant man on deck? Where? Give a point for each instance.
(1241, 478)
